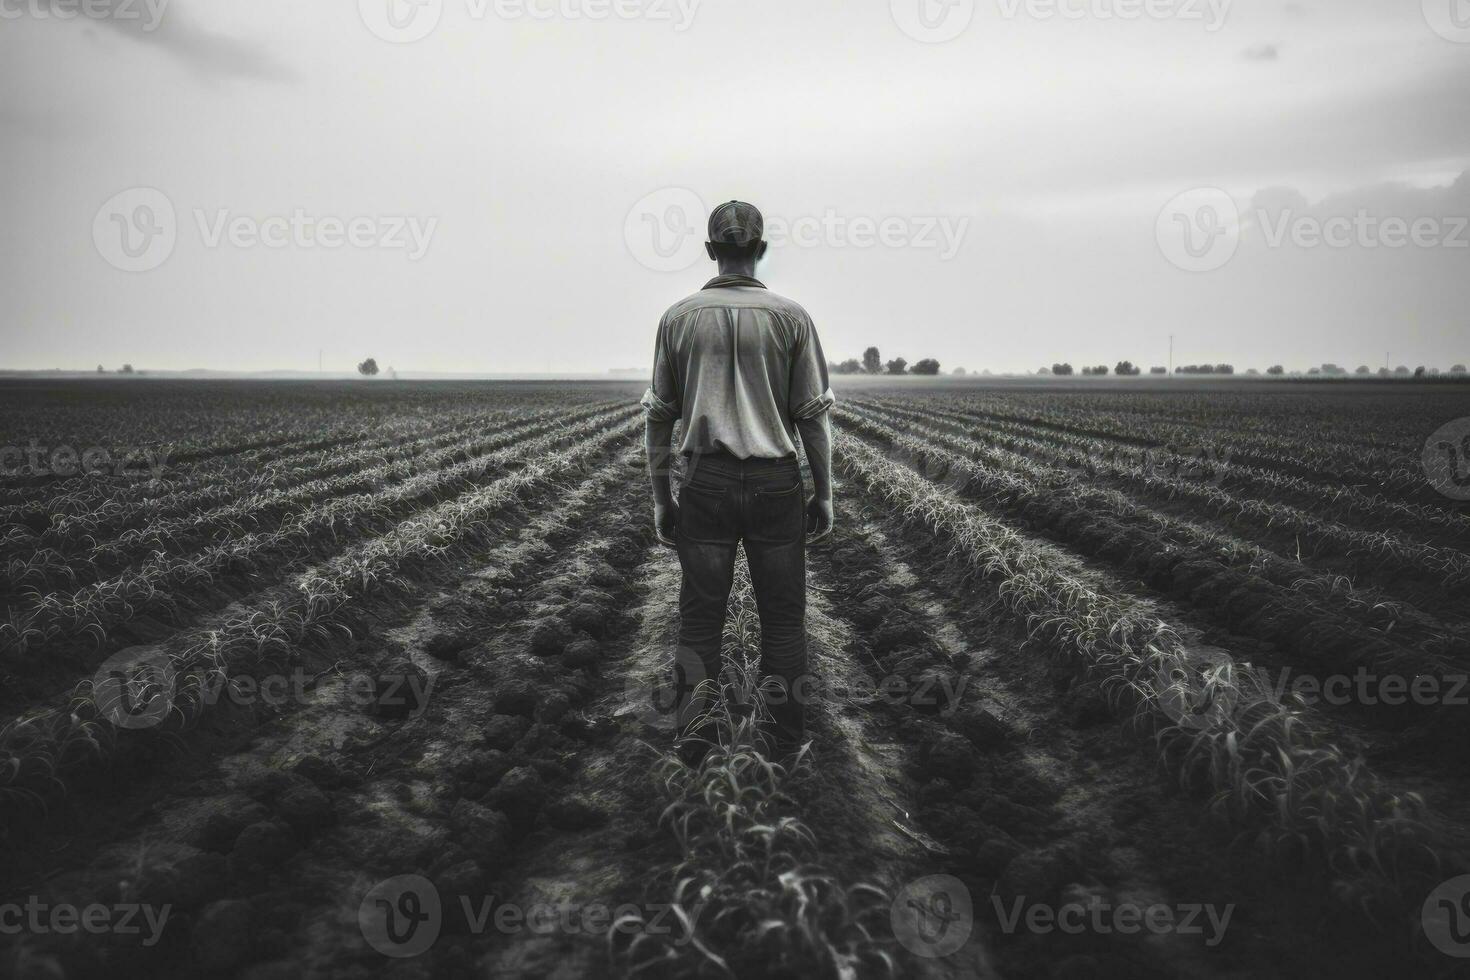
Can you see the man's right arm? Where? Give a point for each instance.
(662, 404)
(811, 410)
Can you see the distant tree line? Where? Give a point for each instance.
(873, 363)
(1124, 369)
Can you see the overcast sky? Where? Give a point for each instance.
(973, 181)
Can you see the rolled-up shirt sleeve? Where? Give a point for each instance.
(661, 400)
(811, 392)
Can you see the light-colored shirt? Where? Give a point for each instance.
(740, 366)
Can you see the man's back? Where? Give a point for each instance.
(741, 365)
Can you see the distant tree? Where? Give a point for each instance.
(959, 372)
(1401, 370)
(927, 365)
(1047, 370)
(368, 368)
(1224, 368)
(896, 366)
(101, 369)
(1333, 370)
(1384, 372)
(872, 361)
(1253, 372)
(1314, 372)
(1419, 371)
(1363, 369)
(1276, 369)
(831, 367)
(1126, 369)
(1158, 370)
(1458, 369)
(125, 369)
(392, 373)
(985, 373)
(850, 366)
(1063, 369)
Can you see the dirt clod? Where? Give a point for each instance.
(550, 638)
(221, 938)
(306, 808)
(503, 731)
(482, 831)
(581, 653)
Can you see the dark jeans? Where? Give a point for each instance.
(725, 502)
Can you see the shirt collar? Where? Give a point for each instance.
(720, 282)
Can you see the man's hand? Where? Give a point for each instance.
(818, 518)
(666, 524)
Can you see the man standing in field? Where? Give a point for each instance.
(743, 369)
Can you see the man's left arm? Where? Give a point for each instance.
(816, 438)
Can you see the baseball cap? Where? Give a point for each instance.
(736, 223)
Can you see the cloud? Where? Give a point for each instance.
(1261, 52)
(163, 25)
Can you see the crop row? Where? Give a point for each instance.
(1011, 452)
(1336, 500)
(1170, 554)
(36, 750)
(96, 506)
(1315, 457)
(158, 584)
(359, 472)
(750, 889)
(1383, 553)
(1270, 766)
(125, 471)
